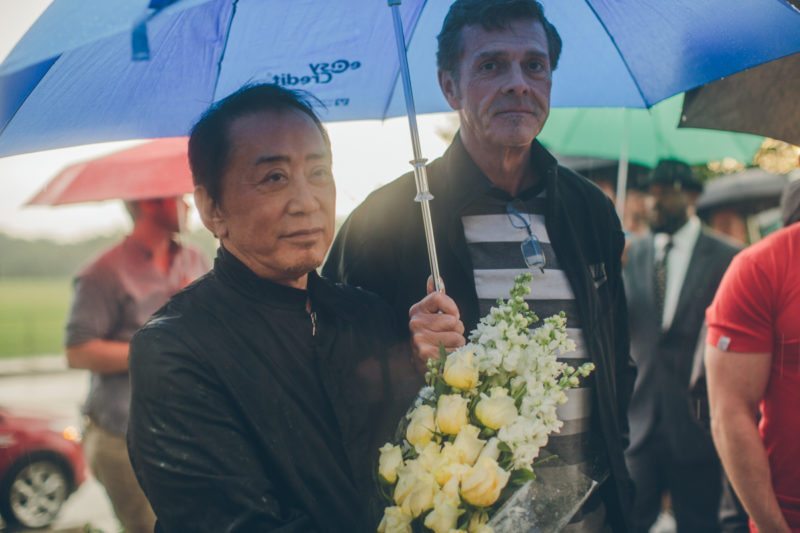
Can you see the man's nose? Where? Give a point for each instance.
(303, 198)
(516, 81)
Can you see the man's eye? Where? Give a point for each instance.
(322, 173)
(536, 66)
(274, 177)
(488, 66)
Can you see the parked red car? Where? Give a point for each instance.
(41, 464)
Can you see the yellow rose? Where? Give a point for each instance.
(448, 464)
(468, 444)
(492, 449)
(395, 521)
(429, 457)
(420, 429)
(478, 524)
(415, 489)
(459, 371)
(390, 460)
(451, 413)
(450, 489)
(481, 486)
(444, 516)
(496, 410)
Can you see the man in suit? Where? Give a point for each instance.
(670, 279)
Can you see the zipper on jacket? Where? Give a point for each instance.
(313, 316)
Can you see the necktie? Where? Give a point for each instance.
(661, 279)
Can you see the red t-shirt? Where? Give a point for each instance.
(757, 309)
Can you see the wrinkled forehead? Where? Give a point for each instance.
(525, 36)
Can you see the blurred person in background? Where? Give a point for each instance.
(670, 279)
(753, 373)
(114, 296)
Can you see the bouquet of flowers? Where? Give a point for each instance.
(471, 441)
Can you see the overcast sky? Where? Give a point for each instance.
(366, 155)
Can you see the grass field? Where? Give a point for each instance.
(32, 314)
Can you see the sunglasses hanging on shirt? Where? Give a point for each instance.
(532, 252)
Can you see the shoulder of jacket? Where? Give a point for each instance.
(723, 244)
(576, 188)
(355, 298)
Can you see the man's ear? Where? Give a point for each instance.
(449, 87)
(210, 212)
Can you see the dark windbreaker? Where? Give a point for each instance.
(249, 413)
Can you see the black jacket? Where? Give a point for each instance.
(247, 415)
(381, 247)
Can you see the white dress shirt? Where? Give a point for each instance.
(683, 242)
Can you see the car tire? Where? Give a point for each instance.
(33, 492)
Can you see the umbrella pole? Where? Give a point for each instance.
(420, 174)
(622, 168)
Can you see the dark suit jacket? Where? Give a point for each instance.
(664, 358)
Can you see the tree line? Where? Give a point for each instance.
(44, 258)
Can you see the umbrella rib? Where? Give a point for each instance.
(397, 72)
(53, 61)
(619, 52)
(224, 49)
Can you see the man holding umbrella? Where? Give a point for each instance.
(503, 205)
(114, 296)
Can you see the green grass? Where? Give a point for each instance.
(32, 315)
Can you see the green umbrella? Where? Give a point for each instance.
(651, 135)
(641, 136)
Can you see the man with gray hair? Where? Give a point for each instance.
(502, 206)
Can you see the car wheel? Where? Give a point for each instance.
(34, 493)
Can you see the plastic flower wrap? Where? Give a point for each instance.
(466, 454)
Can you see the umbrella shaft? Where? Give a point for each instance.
(420, 175)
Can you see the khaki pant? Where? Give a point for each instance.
(107, 455)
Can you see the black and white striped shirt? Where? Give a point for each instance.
(494, 247)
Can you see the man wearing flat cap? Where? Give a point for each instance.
(670, 279)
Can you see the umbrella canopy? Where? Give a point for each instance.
(648, 135)
(748, 192)
(157, 169)
(762, 100)
(71, 80)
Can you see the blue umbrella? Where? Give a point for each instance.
(71, 79)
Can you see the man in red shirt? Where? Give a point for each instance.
(752, 363)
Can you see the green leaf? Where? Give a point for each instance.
(522, 476)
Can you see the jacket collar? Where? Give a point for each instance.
(235, 273)
(323, 294)
(469, 181)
